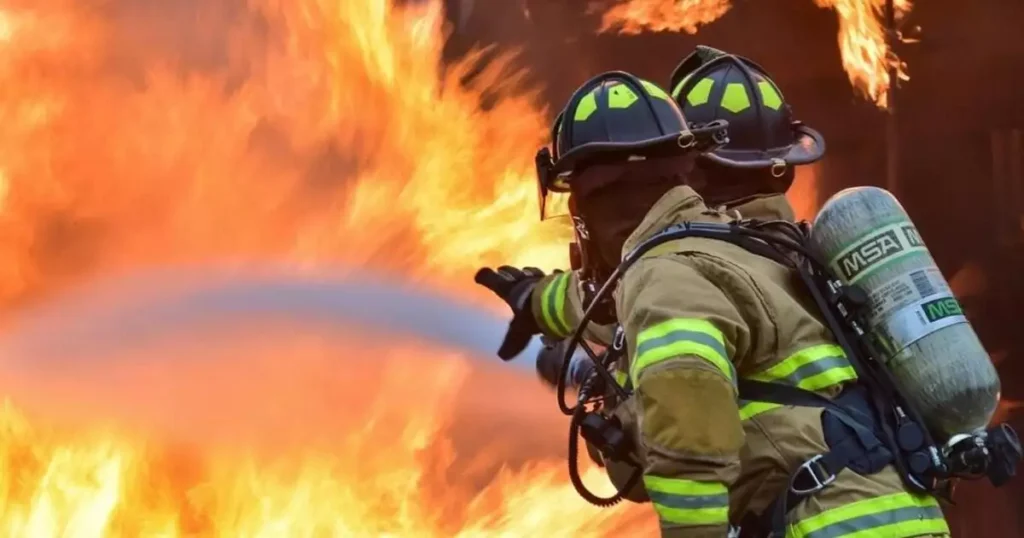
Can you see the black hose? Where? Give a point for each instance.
(577, 339)
(574, 467)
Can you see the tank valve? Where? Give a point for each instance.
(993, 453)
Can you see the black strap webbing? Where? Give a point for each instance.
(831, 463)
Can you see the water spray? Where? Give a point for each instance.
(145, 306)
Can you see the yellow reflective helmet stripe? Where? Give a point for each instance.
(586, 107)
(654, 91)
(688, 502)
(553, 305)
(769, 95)
(700, 93)
(813, 368)
(621, 96)
(735, 98)
(679, 87)
(620, 377)
(678, 337)
(898, 515)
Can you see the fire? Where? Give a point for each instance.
(316, 133)
(865, 53)
(636, 16)
(803, 194)
(330, 138)
(372, 461)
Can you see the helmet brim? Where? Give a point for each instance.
(809, 147)
(578, 156)
(699, 139)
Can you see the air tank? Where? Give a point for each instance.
(867, 239)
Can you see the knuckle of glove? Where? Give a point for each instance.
(510, 273)
(532, 272)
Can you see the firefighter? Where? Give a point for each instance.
(699, 314)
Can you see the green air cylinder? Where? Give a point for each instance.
(938, 361)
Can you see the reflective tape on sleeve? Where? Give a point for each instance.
(900, 515)
(553, 306)
(688, 502)
(680, 337)
(812, 368)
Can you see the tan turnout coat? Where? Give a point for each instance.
(698, 314)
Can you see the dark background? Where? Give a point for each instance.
(961, 140)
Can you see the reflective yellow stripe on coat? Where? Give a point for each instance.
(553, 306)
(680, 337)
(620, 377)
(688, 502)
(900, 515)
(814, 368)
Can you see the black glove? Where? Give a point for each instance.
(514, 286)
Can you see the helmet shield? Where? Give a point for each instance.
(552, 194)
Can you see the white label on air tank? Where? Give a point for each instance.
(915, 321)
(904, 290)
(878, 248)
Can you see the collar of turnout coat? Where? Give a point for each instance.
(684, 204)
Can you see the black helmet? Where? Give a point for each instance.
(616, 116)
(713, 85)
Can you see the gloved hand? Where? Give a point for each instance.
(514, 286)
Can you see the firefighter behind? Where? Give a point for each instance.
(699, 313)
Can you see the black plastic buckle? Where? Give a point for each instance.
(816, 473)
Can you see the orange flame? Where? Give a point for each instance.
(636, 16)
(315, 133)
(865, 53)
(336, 459)
(341, 143)
(803, 193)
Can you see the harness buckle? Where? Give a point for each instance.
(619, 340)
(817, 474)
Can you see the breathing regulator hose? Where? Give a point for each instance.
(574, 467)
(579, 411)
(577, 341)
